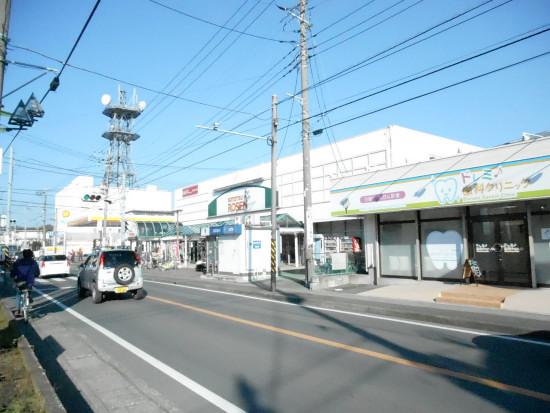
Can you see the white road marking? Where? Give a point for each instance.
(501, 336)
(185, 381)
(54, 288)
(72, 277)
(41, 281)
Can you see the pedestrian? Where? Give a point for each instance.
(80, 254)
(23, 272)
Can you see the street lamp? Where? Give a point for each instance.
(271, 140)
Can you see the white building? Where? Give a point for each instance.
(81, 221)
(229, 211)
(488, 211)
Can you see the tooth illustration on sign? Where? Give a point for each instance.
(444, 249)
(446, 190)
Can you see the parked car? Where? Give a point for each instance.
(57, 264)
(116, 271)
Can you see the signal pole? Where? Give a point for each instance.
(308, 219)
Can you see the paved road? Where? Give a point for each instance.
(189, 349)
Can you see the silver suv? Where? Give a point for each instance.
(115, 271)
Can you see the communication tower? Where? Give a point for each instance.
(119, 170)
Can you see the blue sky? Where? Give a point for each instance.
(141, 42)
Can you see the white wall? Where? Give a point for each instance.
(410, 146)
(391, 146)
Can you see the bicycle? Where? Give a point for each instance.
(24, 300)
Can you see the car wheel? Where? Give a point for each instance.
(124, 274)
(97, 296)
(82, 293)
(139, 294)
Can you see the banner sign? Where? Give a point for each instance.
(189, 191)
(234, 229)
(516, 180)
(240, 200)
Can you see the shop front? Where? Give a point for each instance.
(423, 221)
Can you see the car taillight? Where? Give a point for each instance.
(43, 264)
(101, 260)
(138, 259)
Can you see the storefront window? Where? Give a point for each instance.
(541, 238)
(398, 216)
(441, 249)
(397, 249)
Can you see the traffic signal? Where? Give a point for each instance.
(91, 197)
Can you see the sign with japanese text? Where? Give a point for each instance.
(526, 179)
(240, 200)
(189, 191)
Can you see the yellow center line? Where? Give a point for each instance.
(369, 353)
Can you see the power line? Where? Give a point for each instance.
(397, 3)
(369, 28)
(129, 83)
(217, 25)
(432, 72)
(73, 48)
(431, 92)
(351, 13)
(195, 56)
(363, 62)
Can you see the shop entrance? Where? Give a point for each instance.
(500, 246)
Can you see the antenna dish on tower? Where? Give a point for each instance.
(106, 99)
(141, 105)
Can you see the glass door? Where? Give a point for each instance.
(500, 246)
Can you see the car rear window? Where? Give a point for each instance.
(55, 258)
(115, 258)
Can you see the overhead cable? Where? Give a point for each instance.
(219, 26)
(449, 86)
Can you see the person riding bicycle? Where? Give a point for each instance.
(23, 272)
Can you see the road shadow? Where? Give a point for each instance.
(48, 351)
(250, 398)
(503, 362)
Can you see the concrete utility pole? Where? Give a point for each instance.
(308, 219)
(274, 125)
(5, 6)
(272, 140)
(177, 249)
(44, 210)
(10, 189)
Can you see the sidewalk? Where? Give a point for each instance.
(523, 311)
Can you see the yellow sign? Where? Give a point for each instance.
(66, 214)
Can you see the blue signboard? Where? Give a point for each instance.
(256, 244)
(234, 229)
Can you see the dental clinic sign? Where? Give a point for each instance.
(524, 179)
(240, 200)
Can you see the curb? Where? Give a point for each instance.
(40, 381)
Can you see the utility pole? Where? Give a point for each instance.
(177, 249)
(44, 210)
(272, 141)
(10, 189)
(123, 211)
(274, 125)
(308, 219)
(5, 6)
